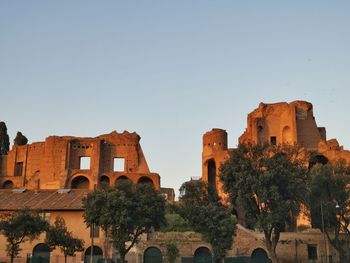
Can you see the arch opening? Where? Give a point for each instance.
(152, 255)
(104, 180)
(96, 252)
(145, 180)
(122, 178)
(7, 184)
(80, 182)
(212, 174)
(41, 253)
(259, 255)
(202, 255)
(317, 159)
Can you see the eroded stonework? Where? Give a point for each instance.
(76, 162)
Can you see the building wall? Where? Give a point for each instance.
(55, 163)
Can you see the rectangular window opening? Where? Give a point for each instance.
(312, 252)
(19, 169)
(118, 164)
(273, 140)
(84, 163)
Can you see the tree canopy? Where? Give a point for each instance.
(4, 139)
(330, 189)
(20, 139)
(270, 184)
(201, 207)
(19, 227)
(125, 212)
(59, 236)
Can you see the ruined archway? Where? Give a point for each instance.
(287, 136)
(145, 180)
(202, 255)
(104, 181)
(80, 182)
(317, 158)
(41, 253)
(7, 184)
(211, 166)
(152, 255)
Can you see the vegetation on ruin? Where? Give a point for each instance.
(20, 139)
(174, 221)
(172, 252)
(4, 139)
(59, 236)
(125, 212)
(330, 185)
(19, 227)
(201, 207)
(270, 183)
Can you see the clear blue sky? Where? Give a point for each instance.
(170, 70)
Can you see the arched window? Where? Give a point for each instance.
(122, 178)
(104, 180)
(41, 253)
(96, 252)
(202, 254)
(152, 255)
(80, 182)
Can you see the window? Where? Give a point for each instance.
(95, 231)
(118, 164)
(84, 163)
(273, 140)
(312, 252)
(19, 169)
(46, 216)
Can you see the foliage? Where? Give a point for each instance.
(206, 215)
(329, 185)
(270, 184)
(4, 139)
(59, 236)
(19, 227)
(172, 252)
(20, 139)
(175, 223)
(125, 212)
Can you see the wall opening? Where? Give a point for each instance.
(202, 254)
(259, 255)
(80, 182)
(84, 163)
(317, 159)
(19, 169)
(41, 253)
(273, 140)
(119, 164)
(122, 178)
(312, 252)
(96, 252)
(260, 134)
(152, 255)
(7, 185)
(212, 174)
(145, 180)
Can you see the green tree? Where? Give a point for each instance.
(59, 236)
(20, 139)
(172, 252)
(330, 188)
(201, 207)
(19, 227)
(270, 184)
(126, 212)
(4, 139)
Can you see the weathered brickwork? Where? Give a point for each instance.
(74, 162)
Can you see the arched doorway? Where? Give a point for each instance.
(97, 254)
(152, 255)
(212, 174)
(104, 181)
(80, 182)
(122, 178)
(202, 255)
(259, 255)
(41, 253)
(145, 180)
(8, 185)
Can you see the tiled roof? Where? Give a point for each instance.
(49, 200)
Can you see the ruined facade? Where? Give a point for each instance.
(75, 162)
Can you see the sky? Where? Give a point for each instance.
(170, 70)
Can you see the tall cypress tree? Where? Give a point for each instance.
(4, 139)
